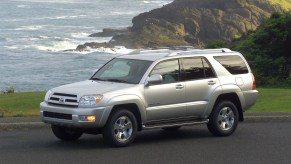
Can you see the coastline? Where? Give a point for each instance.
(187, 23)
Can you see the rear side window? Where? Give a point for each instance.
(233, 63)
(196, 68)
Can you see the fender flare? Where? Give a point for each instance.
(224, 89)
(122, 100)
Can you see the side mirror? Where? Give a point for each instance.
(154, 79)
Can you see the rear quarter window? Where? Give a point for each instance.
(233, 63)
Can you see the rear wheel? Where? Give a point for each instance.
(66, 134)
(223, 119)
(121, 128)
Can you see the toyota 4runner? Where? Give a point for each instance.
(154, 89)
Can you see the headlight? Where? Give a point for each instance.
(90, 101)
(48, 95)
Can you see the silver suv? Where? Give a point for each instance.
(154, 89)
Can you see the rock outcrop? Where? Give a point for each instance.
(194, 22)
(109, 32)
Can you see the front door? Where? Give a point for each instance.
(167, 99)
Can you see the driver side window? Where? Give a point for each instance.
(169, 70)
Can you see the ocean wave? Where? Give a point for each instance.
(29, 28)
(53, 43)
(24, 39)
(115, 50)
(42, 37)
(56, 46)
(83, 37)
(160, 3)
(7, 39)
(80, 35)
(55, 1)
(23, 6)
(11, 47)
(42, 18)
(68, 17)
(123, 13)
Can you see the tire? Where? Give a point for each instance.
(171, 129)
(66, 134)
(223, 119)
(120, 129)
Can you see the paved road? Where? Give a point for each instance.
(265, 142)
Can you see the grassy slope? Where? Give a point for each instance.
(27, 104)
(20, 104)
(286, 4)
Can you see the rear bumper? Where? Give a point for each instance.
(250, 98)
(70, 117)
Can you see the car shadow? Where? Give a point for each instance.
(160, 135)
(143, 138)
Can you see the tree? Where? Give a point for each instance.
(269, 47)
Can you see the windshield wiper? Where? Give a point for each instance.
(117, 80)
(95, 78)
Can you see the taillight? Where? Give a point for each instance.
(254, 87)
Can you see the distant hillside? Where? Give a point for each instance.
(194, 22)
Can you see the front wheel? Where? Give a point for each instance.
(66, 134)
(223, 119)
(121, 128)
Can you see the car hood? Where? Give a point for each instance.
(90, 87)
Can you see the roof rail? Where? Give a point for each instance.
(177, 50)
(163, 49)
(212, 50)
(226, 50)
(218, 50)
(138, 51)
(185, 48)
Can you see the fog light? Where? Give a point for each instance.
(87, 118)
(91, 118)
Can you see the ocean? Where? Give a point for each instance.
(35, 33)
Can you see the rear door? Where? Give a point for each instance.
(200, 82)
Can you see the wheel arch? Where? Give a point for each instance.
(133, 108)
(233, 97)
(133, 103)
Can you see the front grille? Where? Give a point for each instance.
(63, 99)
(65, 95)
(63, 105)
(57, 115)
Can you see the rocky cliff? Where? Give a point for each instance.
(194, 22)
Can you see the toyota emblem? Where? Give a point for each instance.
(62, 100)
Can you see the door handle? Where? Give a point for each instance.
(179, 86)
(211, 82)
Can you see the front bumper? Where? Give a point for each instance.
(70, 117)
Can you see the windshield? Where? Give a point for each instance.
(122, 70)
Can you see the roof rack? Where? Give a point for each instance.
(219, 50)
(178, 50)
(211, 50)
(138, 51)
(163, 49)
(185, 48)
